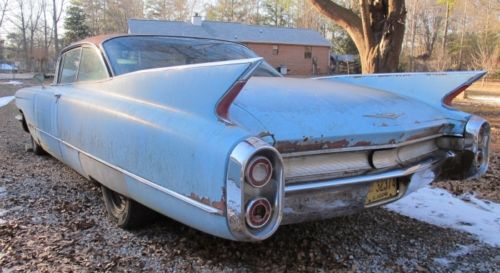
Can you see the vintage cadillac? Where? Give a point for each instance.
(207, 133)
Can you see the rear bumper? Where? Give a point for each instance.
(295, 201)
(344, 196)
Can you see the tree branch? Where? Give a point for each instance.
(345, 18)
(365, 21)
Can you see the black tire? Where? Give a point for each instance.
(124, 211)
(37, 149)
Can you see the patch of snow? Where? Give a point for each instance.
(12, 82)
(442, 261)
(462, 250)
(5, 100)
(2, 213)
(466, 213)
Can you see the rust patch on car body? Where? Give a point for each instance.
(300, 146)
(362, 143)
(220, 205)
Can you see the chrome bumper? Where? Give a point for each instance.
(344, 196)
(299, 201)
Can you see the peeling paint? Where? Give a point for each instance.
(220, 205)
(362, 143)
(300, 146)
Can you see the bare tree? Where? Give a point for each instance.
(413, 33)
(19, 21)
(56, 16)
(377, 30)
(464, 23)
(430, 23)
(449, 5)
(4, 4)
(33, 23)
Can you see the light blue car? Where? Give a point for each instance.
(207, 133)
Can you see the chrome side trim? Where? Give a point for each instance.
(172, 193)
(361, 148)
(359, 179)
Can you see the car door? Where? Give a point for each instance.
(46, 109)
(75, 94)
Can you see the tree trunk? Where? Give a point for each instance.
(43, 64)
(445, 34)
(464, 22)
(378, 32)
(54, 22)
(413, 32)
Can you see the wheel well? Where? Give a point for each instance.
(23, 122)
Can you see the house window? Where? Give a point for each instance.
(308, 52)
(276, 50)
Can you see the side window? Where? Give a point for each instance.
(92, 67)
(69, 68)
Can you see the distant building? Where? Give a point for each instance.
(292, 51)
(344, 64)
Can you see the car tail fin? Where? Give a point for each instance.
(205, 89)
(436, 88)
(222, 108)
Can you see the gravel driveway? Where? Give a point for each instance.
(53, 220)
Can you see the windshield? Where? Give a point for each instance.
(133, 53)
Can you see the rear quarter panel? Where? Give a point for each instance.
(161, 127)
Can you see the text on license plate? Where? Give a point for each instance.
(381, 190)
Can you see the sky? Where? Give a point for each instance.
(8, 27)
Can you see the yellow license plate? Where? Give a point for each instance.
(381, 190)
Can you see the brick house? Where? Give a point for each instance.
(302, 52)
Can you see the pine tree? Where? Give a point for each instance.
(75, 24)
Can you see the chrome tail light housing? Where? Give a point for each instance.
(477, 144)
(254, 190)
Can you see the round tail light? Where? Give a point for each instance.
(259, 171)
(258, 212)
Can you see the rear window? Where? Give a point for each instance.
(133, 53)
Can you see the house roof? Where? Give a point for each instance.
(236, 32)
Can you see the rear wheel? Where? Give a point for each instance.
(124, 211)
(37, 149)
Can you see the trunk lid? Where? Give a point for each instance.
(306, 114)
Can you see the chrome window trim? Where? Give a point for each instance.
(142, 180)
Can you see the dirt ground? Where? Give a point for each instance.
(53, 220)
